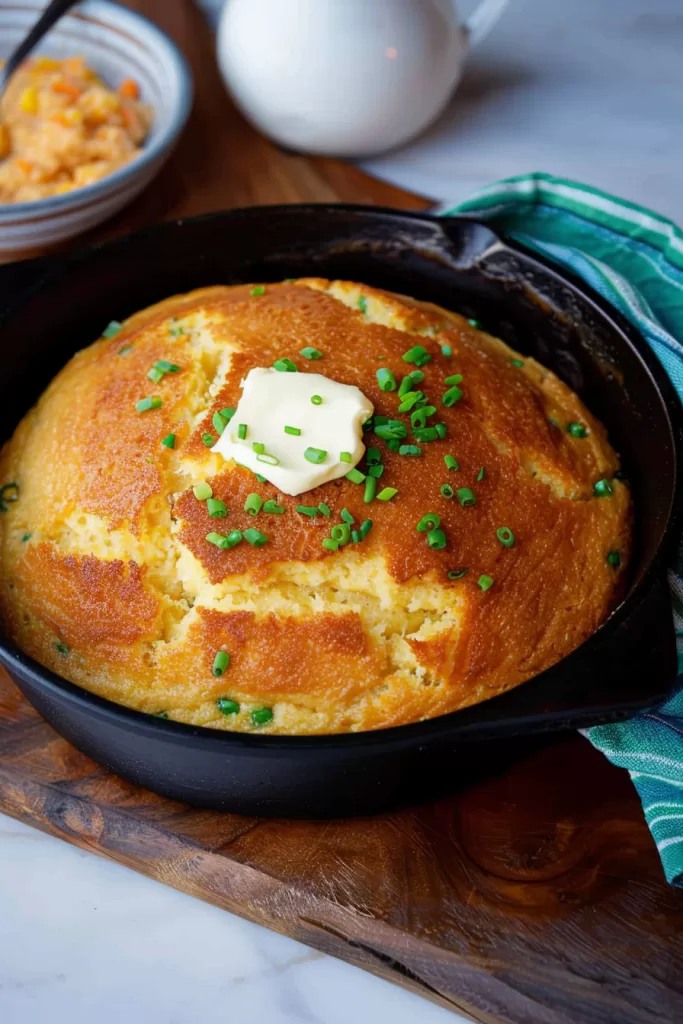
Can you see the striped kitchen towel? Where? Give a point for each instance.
(634, 259)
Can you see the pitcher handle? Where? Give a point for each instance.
(482, 19)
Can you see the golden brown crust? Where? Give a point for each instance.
(118, 569)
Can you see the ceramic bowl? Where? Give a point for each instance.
(118, 44)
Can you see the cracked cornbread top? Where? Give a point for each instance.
(482, 536)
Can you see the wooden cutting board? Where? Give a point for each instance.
(533, 896)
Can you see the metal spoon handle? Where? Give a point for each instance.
(50, 15)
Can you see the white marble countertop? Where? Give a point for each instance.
(591, 90)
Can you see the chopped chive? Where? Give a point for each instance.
(155, 375)
(258, 447)
(310, 353)
(409, 381)
(166, 367)
(233, 539)
(307, 510)
(505, 536)
(341, 533)
(451, 463)
(362, 304)
(614, 559)
(436, 540)
(441, 430)
(168, 441)
(253, 504)
(62, 647)
(375, 471)
(370, 489)
(112, 329)
(455, 378)
(271, 506)
(386, 379)
(485, 582)
(365, 528)
(315, 455)
(355, 536)
(255, 537)
(428, 522)
(227, 706)
(270, 460)
(466, 497)
(355, 476)
(261, 479)
(145, 404)
(219, 423)
(209, 440)
(387, 493)
(447, 351)
(285, 366)
(161, 714)
(474, 323)
(426, 434)
(216, 508)
(378, 420)
(228, 414)
(457, 574)
(26, 537)
(517, 362)
(202, 491)
(393, 445)
(418, 355)
(259, 289)
(450, 397)
(446, 491)
(345, 457)
(481, 474)
(325, 509)
(347, 517)
(419, 417)
(577, 430)
(409, 449)
(394, 430)
(603, 489)
(329, 544)
(316, 399)
(410, 399)
(294, 431)
(261, 716)
(220, 662)
(217, 539)
(242, 431)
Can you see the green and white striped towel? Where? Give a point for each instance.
(634, 259)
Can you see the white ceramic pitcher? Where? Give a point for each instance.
(346, 77)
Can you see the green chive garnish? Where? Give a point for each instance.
(259, 289)
(166, 367)
(614, 559)
(577, 430)
(355, 476)
(426, 434)
(365, 528)
(217, 539)
(271, 506)
(161, 714)
(345, 457)
(125, 349)
(419, 417)
(255, 538)
(294, 431)
(261, 716)
(409, 382)
(466, 497)
(450, 397)
(341, 533)
(329, 544)
(370, 489)
(387, 493)
(436, 539)
(474, 323)
(325, 509)
(26, 537)
(418, 355)
(233, 539)
(363, 304)
(307, 510)
(216, 508)
(505, 536)
(315, 455)
(603, 489)
(428, 522)
(168, 441)
(446, 491)
(219, 423)
(347, 517)
(441, 430)
(220, 662)
(284, 366)
(485, 582)
(316, 399)
(394, 430)
(242, 431)
(112, 329)
(258, 447)
(253, 504)
(375, 471)
(481, 474)
(228, 414)
(261, 479)
(209, 440)
(457, 574)
(517, 362)
(386, 380)
(409, 449)
(61, 647)
(202, 491)
(410, 399)
(145, 404)
(227, 706)
(447, 351)
(355, 536)
(310, 353)
(451, 463)
(155, 375)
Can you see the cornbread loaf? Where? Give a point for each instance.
(107, 576)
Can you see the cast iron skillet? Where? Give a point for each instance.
(53, 307)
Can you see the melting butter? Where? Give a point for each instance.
(271, 401)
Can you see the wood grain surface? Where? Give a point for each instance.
(531, 896)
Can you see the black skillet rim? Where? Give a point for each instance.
(15, 661)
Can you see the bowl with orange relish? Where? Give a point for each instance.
(86, 123)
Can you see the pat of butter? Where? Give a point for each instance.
(271, 401)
